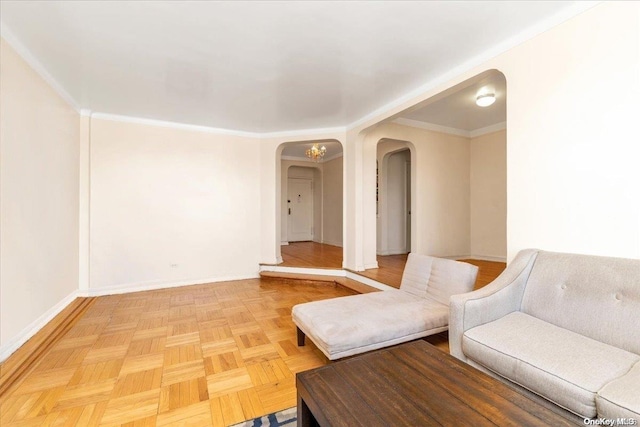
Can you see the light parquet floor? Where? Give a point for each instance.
(213, 354)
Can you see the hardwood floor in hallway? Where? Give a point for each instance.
(311, 254)
(390, 267)
(213, 354)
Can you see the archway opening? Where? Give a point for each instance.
(311, 205)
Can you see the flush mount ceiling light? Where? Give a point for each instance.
(316, 153)
(485, 99)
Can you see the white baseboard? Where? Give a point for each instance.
(332, 243)
(489, 258)
(392, 252)
(303, 270)
(24, 335)
(139, 287)
(284, 243)
(371, 265)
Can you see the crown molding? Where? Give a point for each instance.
(489, 129)
(36, 65)
(308, 160)
(432, 127)
(173, 125)
(451, 131)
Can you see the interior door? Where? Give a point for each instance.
(300, 210)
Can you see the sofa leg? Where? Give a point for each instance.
(301, 337)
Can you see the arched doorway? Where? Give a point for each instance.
(311, 205)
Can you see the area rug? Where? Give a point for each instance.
(286, 417)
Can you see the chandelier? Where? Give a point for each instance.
(316, 153)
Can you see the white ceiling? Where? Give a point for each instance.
(261, 66)
(459, 111)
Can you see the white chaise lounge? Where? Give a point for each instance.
(345, 326)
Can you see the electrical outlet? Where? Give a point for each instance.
(174, 265)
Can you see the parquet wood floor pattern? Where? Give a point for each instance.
(213, 354)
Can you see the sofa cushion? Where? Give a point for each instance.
(621, 397)
(597, 297)
(560, 365)
(437, 278)
(350, 325)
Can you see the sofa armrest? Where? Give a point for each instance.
(497, 299)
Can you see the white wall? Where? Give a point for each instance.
(171, 206)
(39, 183)
(332, 202)
(572, 159)
(440, 191)
(488, 194)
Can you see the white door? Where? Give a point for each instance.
(300, 209)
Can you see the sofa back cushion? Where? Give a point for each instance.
(437, 278)
(597, 297)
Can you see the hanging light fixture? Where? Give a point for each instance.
(316, 153)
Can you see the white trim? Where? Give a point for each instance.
(307, 133)
(451, 131)
(27, 333)
(298, 159)
(308, 160)
(432, 127)
(368, 282)
(487, 130)
(327, 272)
(332, 243)
(392, 252)
(371, 265)
(284, 243)
(152, 286)
(302, 270)
(526, 34)
(173, 125)
(492, 258)
(37, 66)
(335, 156)
(85, 112)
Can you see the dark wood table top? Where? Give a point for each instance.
(415, 384)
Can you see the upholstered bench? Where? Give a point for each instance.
(345, 326)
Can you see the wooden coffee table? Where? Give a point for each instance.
(413, 384)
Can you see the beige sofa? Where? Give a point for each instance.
(565, 327)
(345, 326)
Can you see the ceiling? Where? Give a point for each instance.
(261, 66)
(459, 111)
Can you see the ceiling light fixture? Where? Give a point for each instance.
(485, 99)
(316, 153)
